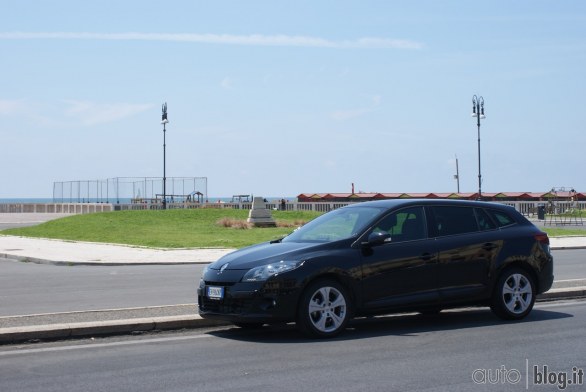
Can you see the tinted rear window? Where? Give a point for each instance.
(454, 220)
(484, 221)
(501, 218)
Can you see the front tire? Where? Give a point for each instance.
(324, 309)
(514, 294)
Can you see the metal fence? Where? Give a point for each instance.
(529, 209)
(126, 190)
(557, 210)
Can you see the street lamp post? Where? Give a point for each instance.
(478, 112)
(164, 121)
(457, 175)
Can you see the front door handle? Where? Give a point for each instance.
(427, 257)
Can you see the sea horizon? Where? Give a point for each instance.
(122, 200)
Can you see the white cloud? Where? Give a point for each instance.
(91, 113)
(226, 83)
(342, 115)
(12, 107)
(74, 112)
(374, 42)
(330, 164)
(26, 111)
(226, 39)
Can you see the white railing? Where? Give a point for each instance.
(289, 206)
(57, 208)
(526, 208)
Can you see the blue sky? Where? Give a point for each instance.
(280, 98)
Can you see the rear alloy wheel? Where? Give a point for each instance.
(514, 294)
(324, 309)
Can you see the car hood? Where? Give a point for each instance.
(265, 253)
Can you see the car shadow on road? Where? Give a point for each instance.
(409, 324)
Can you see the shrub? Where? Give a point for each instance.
(233, 223)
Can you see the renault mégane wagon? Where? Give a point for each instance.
(383, 257)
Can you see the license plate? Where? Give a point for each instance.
(214, 292)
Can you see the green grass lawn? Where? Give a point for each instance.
(199, 228)
(561, 232)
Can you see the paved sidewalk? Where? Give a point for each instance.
(88, 253)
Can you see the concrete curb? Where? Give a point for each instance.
(102, 328)
(563, 293)
(27, 259)
(35, 260)
(568, 247)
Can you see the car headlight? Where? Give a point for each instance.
(264, 272)
(203, 273)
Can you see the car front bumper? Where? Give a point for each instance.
(266, 302)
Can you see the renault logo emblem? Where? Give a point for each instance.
(222, 268)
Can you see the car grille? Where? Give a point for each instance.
(225, 306)
(225, 284)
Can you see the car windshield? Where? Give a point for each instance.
(335, 225)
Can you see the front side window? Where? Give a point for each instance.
(405, 225)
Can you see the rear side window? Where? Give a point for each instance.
(454, 220)
(484, 221)
(502, 218)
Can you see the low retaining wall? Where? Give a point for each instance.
(57, 208)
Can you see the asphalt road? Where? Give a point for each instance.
(27, 288)
(14, 220)
(569, 264)
(453, 351)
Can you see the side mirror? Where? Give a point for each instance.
(377, 238)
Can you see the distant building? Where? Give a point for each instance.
(501, 196)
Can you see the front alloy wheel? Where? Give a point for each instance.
(324, 309)
(514, 295)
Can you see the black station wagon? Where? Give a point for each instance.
(383, 257)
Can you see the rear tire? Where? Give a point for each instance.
(324, 309)
(514, 294)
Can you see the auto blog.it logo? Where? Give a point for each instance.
(534, 375)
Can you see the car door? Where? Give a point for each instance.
(468, 243)
(401, 272)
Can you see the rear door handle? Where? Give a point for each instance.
(489, 246)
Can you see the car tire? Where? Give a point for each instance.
(324, 309)
(514, 294)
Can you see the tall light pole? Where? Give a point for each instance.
(457, 175)
(478, 112)
(164, 121)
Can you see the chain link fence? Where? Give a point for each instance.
(130, 190)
